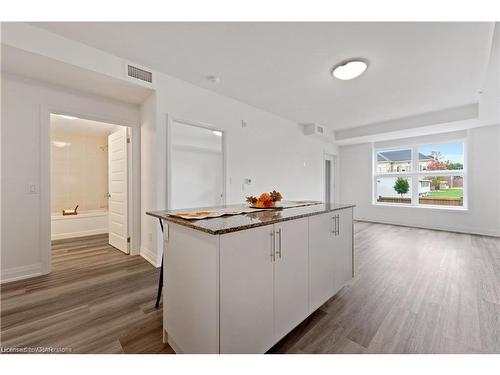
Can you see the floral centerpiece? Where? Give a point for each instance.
(265, 200)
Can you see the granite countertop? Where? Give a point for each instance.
(228, 224)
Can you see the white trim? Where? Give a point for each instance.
(415, 173)
(20, 273)
(45, 211)
(333, 177)
(424, 206)
(82, 233)
(151, 256)
(454, 229)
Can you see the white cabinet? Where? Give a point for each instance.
(241, 292)
(291, 280)
(330, 255)
(321, 258)
(246, 291)
(263, 285)
(342, 249)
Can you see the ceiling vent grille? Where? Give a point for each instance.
(318, 130)
(138, 73)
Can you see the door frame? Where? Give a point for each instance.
(170, 121)
(333, 176)
(134, 195)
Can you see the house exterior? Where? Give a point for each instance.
(400, 161)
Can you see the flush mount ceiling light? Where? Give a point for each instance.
(349, 69)
(217, 133)
(68, 117)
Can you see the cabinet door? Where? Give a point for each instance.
(246, 291)
(321, 259)
(343, 250)
(291, 276)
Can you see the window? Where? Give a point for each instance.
(432, 175)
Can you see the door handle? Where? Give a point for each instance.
(337, 221)
(334, 225)
(279, 243)
(273, 246)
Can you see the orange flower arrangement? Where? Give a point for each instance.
(265, 200)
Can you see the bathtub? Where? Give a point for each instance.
(86, 223)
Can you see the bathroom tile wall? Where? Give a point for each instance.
(79, 171)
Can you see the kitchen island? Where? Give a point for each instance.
(239, 284)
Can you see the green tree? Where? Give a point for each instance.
(454, 166)
(402, 186)
(436, 182)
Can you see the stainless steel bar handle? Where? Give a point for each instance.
(279, 242)
(273, 246)
(334, 224)
(338, 224)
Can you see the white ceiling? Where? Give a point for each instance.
(284, 68)
(81, 126)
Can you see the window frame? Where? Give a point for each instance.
(415, 173)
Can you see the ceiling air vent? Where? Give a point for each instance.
(318, 130)
(138, 73)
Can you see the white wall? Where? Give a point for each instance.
(25, 125)
(196, 167)
(270, 150)
(482, 217)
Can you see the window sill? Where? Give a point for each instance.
(425, 207)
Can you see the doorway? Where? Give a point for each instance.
(89, 180)
(330, 167)
(196, 171)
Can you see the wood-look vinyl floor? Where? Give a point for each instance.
(96, 300)
(415, 291)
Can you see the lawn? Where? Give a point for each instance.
(449, 193)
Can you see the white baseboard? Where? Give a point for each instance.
(479, 231)
(151, 257)
(82, 233)
(20, 273)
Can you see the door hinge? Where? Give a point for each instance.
(128, 239)
(128, 139)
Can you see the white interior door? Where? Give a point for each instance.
(118, 189)
(196, 166)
